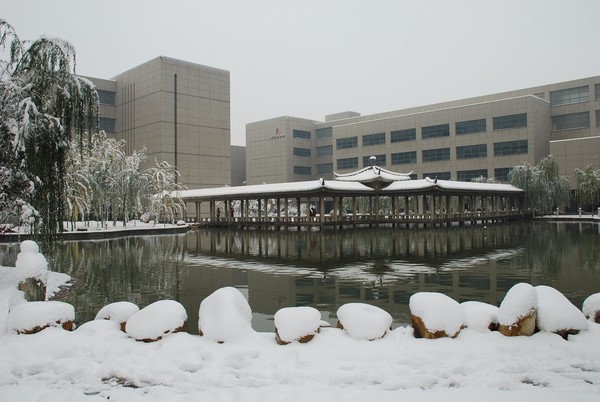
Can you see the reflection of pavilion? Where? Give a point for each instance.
(370, 196)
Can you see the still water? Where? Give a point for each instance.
(276, 269)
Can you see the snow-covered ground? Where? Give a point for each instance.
(99, 362)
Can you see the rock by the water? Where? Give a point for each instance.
(118, 312)
(296, 324)
(156, 320)
(33, 317)
(364, 321)
(435, 315)
(518, 311)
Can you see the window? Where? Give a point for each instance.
(597, 87)
(324, 168)
(323, 133)
(106, 124)
(501, 174)
(510, 148)
(301, 134)
(440, 154)
(512, 121)
(568, 96)
(403, 158)
(373, 139)
(106, 97)
(597, 118)
(409, 134)
(305, 170)
(471, 151)
(302, 152)
(326, 150)
(470, 127)
(571, 121)
(441, 130)
(438, 175)
(468, 175)
(380, 160)
(347, 163)
(348, 142)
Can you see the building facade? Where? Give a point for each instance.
(477, 137)
(179, 111)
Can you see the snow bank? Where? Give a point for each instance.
(27, 317)
(556, 313)
(364, 321)
(519, 301)
(155, 320)
(438, 312)
(591, 306)
(480, 316)
(296, 323)
(225, 315)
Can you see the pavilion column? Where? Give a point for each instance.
(420, 204)
(322, 209)
(266, 209)
(287, 212)
(198, 209)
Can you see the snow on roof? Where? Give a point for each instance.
(371, 173)
(400, 185)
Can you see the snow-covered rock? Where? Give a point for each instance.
(435, 315)
(157, 319)
(225, 315)
(480, 316)
(364, 321)
(555, 313)
(296, 324)
(32, 317)
(591, 307)
(517, 312)
(32, 270)
(118, 312)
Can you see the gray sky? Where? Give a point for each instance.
(309, 58)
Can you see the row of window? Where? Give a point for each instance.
(500, 174)
(440, 154)
(440, 130)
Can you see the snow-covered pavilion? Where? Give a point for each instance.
(335, 202)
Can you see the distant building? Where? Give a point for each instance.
(238, 165)
(463, 139)
(179, 111)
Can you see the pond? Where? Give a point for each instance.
(276, 269)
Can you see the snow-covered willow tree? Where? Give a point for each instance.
(588, 186)
(545, 189)
(42, 103)
(109, 185)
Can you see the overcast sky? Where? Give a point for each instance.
(310, 58)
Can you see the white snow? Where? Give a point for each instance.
(225, 315)
(518, 302)
(30, 262)
(98, 362)
(555, 312)
(156, 320)
(480, 315)
(117, 311)
(293, 323)
(438, 312)
(591, 305)
(364, 321)
(27, 316)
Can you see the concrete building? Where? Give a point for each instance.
(483, 136)
(179, 111)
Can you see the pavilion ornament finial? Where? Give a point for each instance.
(373, 176)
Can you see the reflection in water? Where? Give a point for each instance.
(326, 269)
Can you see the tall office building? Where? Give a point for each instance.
(179, 111)
(463, 139)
